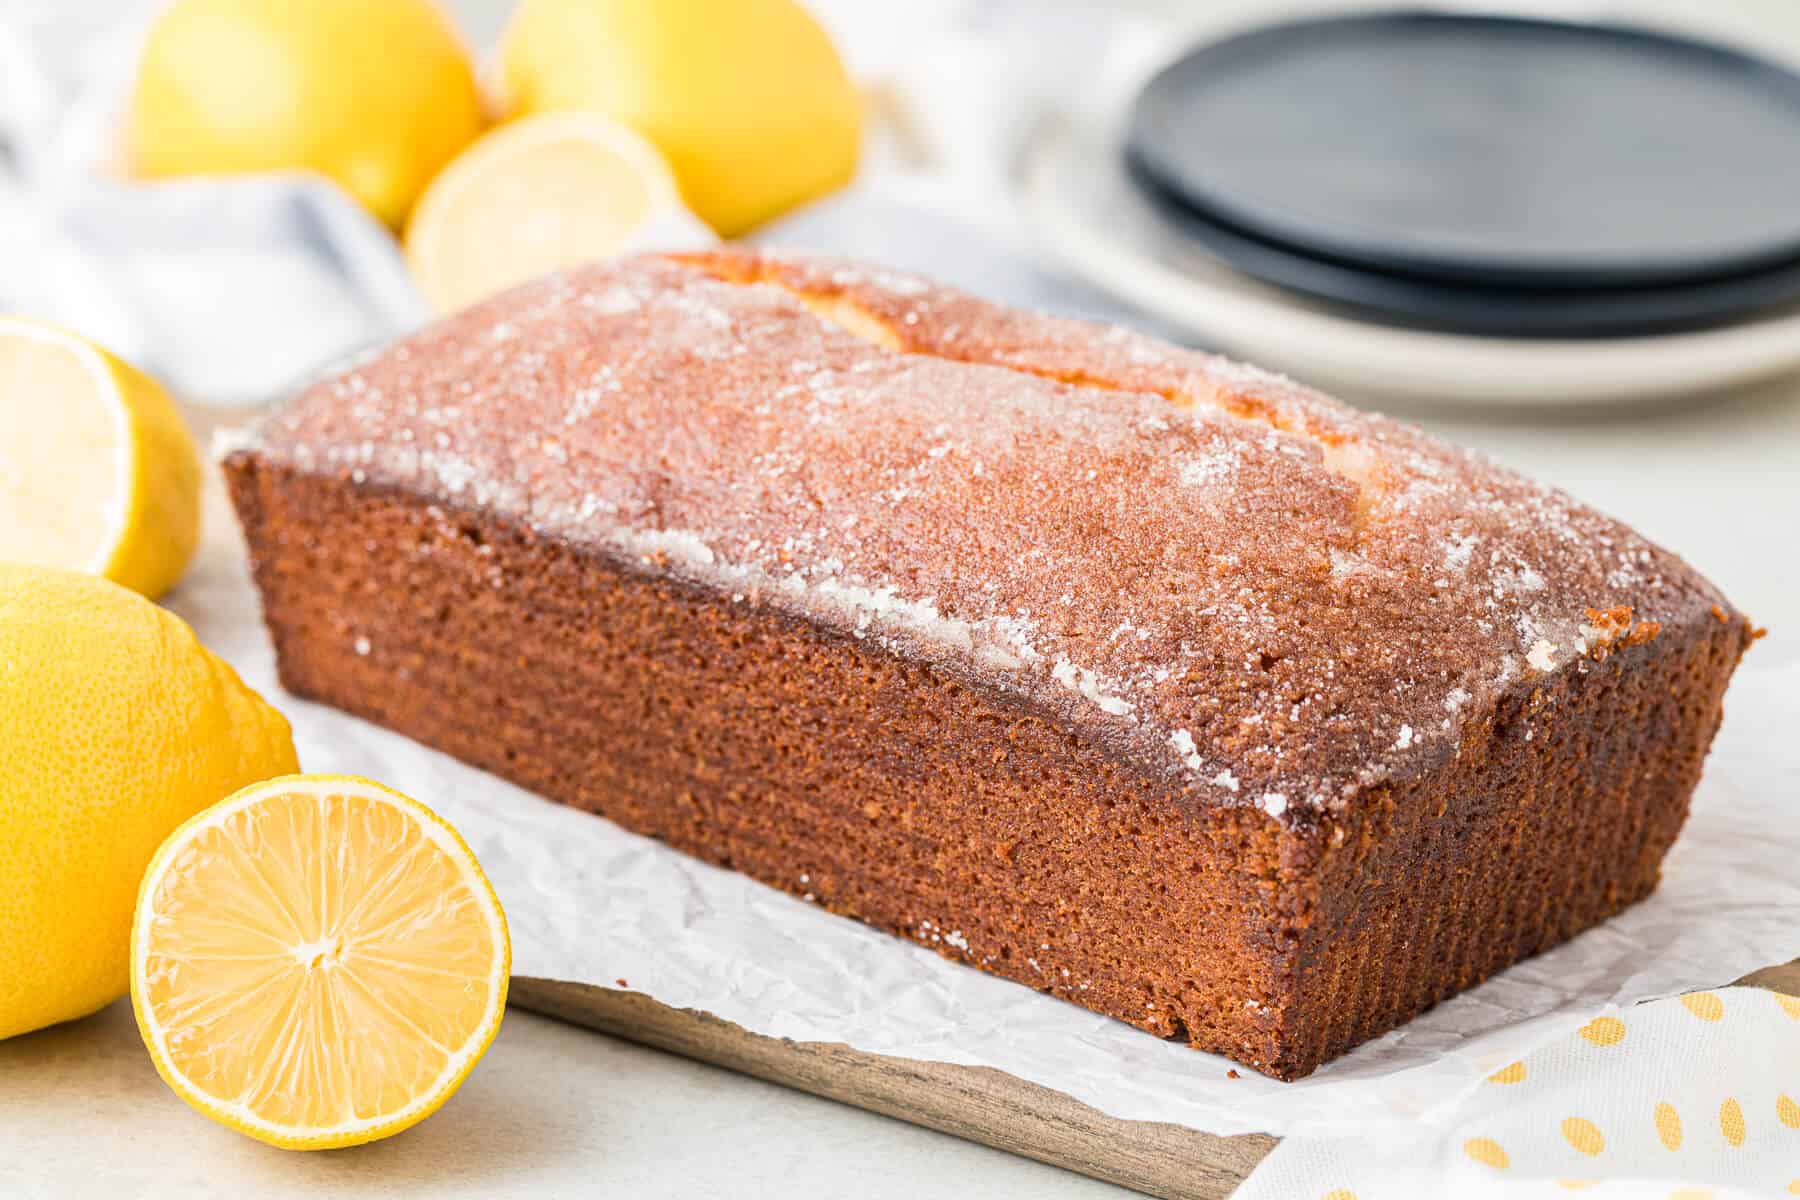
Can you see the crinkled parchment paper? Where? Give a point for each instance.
(591, 903)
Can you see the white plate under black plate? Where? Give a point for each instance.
(1086, 213)
(1486, 151)
(1555, 312)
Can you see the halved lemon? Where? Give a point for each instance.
(536, 195)
(317, 961)
(97, 472)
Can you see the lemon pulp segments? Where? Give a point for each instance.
(97, 472)
(318, 961)
(63, 441)
(533, 196)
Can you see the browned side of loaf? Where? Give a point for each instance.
(947, 812)
(1554, 815)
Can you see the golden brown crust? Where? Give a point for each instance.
(1265, 595)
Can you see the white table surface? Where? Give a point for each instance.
(557, 1111)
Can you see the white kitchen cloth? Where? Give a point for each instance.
(228, 289)
(1692, 1098)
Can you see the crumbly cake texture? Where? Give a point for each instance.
(1135, 675)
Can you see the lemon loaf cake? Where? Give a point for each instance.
(1137, 676)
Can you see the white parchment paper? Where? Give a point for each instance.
(591, 903)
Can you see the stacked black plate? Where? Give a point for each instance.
(1491, 175)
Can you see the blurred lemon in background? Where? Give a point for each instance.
(374, 94)
(318, 961)
(535, 195)
(97, 472)
(746, 98)
(116, 725)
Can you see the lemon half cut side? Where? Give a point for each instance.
(537, 195)
(97, 471)
(317, 961)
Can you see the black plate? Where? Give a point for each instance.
(1492, 151)
(1493, 311)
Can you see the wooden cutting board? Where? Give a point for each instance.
(977, 1103)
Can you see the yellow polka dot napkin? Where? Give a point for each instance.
(1696, 1097)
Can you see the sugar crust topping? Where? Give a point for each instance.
(1246, 587)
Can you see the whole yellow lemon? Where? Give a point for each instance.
(375, 94)
(746, 98)
(116, 725)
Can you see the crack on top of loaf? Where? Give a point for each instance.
(1349, 459)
